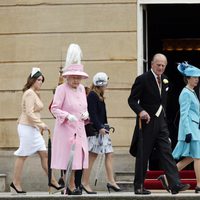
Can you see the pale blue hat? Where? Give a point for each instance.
(188, 70)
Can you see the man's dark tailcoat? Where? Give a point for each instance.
(145, 95)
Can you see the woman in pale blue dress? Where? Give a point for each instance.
(188, 146)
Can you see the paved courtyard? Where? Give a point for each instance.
(156, 195)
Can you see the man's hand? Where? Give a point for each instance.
(144, 116)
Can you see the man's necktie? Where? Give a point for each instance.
(159, 81)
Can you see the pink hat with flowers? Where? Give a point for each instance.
(75, 70)
(73, 66)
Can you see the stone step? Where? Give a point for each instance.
(126, 186)
(125, 180)
(124, 176)
(152, 184)
(2, 182)
(128, 175)
(38, 180)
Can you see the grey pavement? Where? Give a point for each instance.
(156, 195)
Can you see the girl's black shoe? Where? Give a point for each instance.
(14, 190)
(88, 192)
(197, 189)
(109, 186)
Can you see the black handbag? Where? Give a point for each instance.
(91, 130)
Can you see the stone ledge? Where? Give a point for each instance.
(2, 182)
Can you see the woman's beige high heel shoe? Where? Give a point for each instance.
(14, 190)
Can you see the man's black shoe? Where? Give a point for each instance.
(144, 191)
(179, 187)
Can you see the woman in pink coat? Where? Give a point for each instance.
(70, 109)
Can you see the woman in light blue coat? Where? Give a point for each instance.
(188, 146)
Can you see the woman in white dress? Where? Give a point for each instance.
(29, 127)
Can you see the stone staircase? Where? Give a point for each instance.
(34, 179)
(125, 179)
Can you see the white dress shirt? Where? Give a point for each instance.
(160, 89)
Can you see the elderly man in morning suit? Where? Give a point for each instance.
(148, 100)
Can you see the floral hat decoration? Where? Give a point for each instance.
(188, 70)
(73, 64)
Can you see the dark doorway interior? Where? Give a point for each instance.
(175, 21)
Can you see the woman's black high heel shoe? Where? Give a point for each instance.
(14, 190)
(88, 192)
(56, 189)
(197, 189)
(109, 186)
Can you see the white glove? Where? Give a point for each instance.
(72, 118)
(45, 127)
(85, 115)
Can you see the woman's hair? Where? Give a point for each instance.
(30, 82)
(185, 79)
(98, 91)
(87, 90)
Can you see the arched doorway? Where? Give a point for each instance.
(172, 29)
